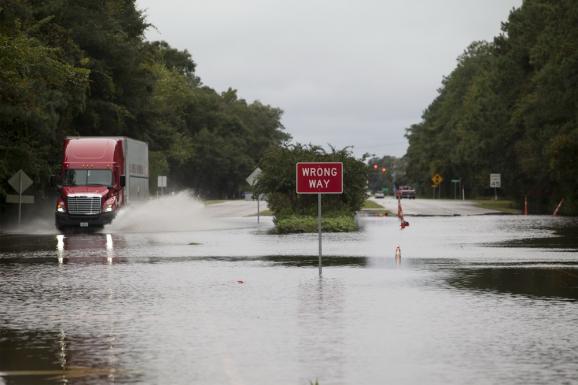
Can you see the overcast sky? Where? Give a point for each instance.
(344, 72)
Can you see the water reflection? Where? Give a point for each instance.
(564, 237)
(558, 282)
(313, 260)
(48, 358)
(321, 308)
(91, 247)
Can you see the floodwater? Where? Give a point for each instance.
(475, 300)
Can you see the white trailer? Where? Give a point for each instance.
(136, 156)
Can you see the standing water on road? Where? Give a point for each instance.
(478, 299)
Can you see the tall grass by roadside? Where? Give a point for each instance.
(502, 205)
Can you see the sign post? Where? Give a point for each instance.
(319, 178)
(20, 182)
(456, 183)
(436, 179)
(495, 183)
(161, 183)
(252, 180)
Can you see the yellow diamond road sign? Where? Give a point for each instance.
(437, 179)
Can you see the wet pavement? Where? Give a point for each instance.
(475, 300)
(434, 207)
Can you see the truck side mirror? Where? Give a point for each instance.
(122, 181)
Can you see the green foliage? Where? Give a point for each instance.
(505, 206)
(371, 205)
(509, 107)
(84, 68)
(38, 89)
(308, 224)
(278, 181)
(377, 180)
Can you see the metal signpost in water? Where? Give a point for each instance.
(252, 180)
(319, 178)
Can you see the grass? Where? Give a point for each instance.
(371, 205)
(304, 224)
(502, 205)
(374, 208)
(263, 213)
(214, 201)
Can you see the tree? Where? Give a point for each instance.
(278, 181)
(509, 107)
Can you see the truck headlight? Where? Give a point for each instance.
(60, 207)
(109, 205)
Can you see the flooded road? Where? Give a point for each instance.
(475, 300)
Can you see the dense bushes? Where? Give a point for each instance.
(292, 210)
(309, 224)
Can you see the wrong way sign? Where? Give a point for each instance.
(319, 178)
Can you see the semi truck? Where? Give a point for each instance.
(99, 176)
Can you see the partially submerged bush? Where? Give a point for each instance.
(297, 213)
(308, 224)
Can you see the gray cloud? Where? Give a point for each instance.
(345, 72)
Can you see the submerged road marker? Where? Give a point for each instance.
(319, 178)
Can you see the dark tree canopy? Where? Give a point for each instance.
(83, 68)
(509, 107)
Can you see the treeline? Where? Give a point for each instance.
(385, 173)
(83, 67)
(510, 107)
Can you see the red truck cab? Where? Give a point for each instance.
(94, 179)
(405, 192)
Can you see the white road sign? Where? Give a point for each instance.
(495, 180)
(254, 177)
(20, 181)
(11, 198)
(162, 181)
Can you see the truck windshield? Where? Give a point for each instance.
(88, 177)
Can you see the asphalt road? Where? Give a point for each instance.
(411, 207)
(236, 208)
(434, 207)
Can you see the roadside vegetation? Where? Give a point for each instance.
(308, 224)
(509, 107)
(374, 208)
(84, 68)
(264, 213)
(297, 213)
(502, 205)
(371, 205)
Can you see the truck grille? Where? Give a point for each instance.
(79, 205)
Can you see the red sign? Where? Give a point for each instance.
(319, 178)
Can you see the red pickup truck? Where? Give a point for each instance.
(405, 192)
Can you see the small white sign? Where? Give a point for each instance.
(162, 181)
(254, 177)
(495, 180)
